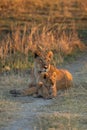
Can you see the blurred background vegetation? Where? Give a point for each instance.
(57, 25)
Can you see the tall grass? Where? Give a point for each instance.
(17, 48)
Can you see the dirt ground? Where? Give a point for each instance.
(68, 111)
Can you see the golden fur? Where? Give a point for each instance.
(63, 77)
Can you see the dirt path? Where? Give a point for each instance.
(65, 112)
(27, 114)
(79, 68)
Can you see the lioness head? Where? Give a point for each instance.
(43, 60)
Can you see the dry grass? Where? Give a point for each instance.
(16, 50)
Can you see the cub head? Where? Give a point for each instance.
(48, 83)
(43, 60)
(49, 78)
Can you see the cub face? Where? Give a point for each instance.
(47, 85)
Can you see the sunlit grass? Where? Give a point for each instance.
(16, 50)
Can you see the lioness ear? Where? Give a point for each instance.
(36, 55)
(38, 51)
(50, 55)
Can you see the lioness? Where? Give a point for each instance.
(41, 63)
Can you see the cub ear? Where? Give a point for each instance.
(50, 55)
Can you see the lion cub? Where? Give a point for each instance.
(54, 80)
(47, 85)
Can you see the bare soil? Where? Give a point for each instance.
(68, 111)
